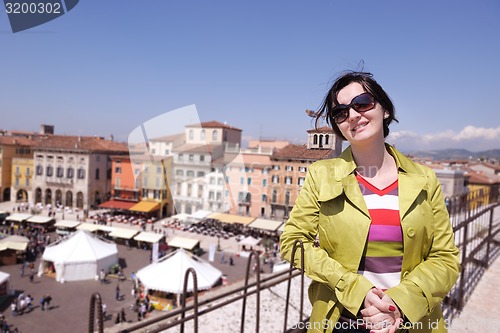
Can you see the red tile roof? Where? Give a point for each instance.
(88, 143)
(300, 152)
(17, 141)
(214, 124)
(324, 129)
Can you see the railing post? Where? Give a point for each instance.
(464, 268)
(191, 271)
(95, 299)
(490, 238)
(257, 317)
(292, 260)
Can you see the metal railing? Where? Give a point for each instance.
(475, 228)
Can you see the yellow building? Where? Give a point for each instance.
(10, 148)
(21, 179)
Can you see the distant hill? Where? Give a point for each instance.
(456, 154)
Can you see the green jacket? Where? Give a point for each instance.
(331, 206)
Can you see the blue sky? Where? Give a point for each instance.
(108, 66)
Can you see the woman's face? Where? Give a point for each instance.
(360, 127)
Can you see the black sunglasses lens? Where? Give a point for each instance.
(340, 114)
(363, 102)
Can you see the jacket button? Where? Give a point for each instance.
(410, 232)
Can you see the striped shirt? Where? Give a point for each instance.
(381, 262)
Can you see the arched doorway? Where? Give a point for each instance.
(69, 199)
(6, 194)
(48, 196)
(22, 196)
(38, 195)
(79, 200)
(58, 197)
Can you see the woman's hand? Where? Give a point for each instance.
(380, 313)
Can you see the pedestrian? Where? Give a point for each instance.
(104, 309)
(222, 258)
(42, 303)
(231, 261)
(117, 292)
(386, 251)
(48, 299)
(32, 276)
(102, 276)
(123, 318)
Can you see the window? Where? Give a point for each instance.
(315, 139)
(249, 181)
(117, 182)
(287, 198)
(191, 134)
(289, 168)
(242, 180)
(202, 135)
(288, 180)
(27, 182)
(144, 181)
(17, 170)
(190, 173)
(81, 173)
(39, 170)
(219, 181)
(215, 136)
(302, 169)
(264, 198)
(158, 169)
(275, 196)
(181, 157)
(212, 181)
(97, 173)
(200, 174)
(17, 181)
(28, 171)
(276, 167)
(49, 171)
(211, 195)
(326, 139)
(301, 181)
(264, 182)
(202, 158)
(60, 172)
(70, 173)
(167, 152)
(179, 173)
(118, 169)
(191, 157)
(276, 179)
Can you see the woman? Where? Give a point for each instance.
(386, 256)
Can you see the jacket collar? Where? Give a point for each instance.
(411, 181)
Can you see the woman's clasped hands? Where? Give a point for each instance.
(380, 313)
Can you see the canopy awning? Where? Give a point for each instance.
(18, 217)
(67, 224)
(184, 243)
(14, 242)
(117, 204)
(145, 207)
(40, 219)
(250, 241)
(88, 226)
(4, 277)
(263, 224)
(148, 237)
(230, 218)
(123, 233)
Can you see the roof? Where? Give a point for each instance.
(184, 243)
(123, 233)
(117, 204)
(40, 219)
(67, 224)
(88, 227)
(18, 243)
(214, 124)
(18, 217)
(169, 138)
(168, 273)
(300, 152)
(145, 206)
(81, 246)
(323, 129)
(270, 225)
(86, 143)
(230, 218)
(148, 237)
(17, 141)
(4, 277)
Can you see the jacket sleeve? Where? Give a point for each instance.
(349, 287)
(430, 281)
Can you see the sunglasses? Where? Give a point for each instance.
(360, 103)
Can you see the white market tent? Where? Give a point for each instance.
(67, 224)
(264, 224)
(4, 277)
(4, 283)
(18, 217)
(149, 237)
(14, 242)
(167, 274)
(80, 256)
(201, 214)
(249, 241)
(124, 233)
(183, 243)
